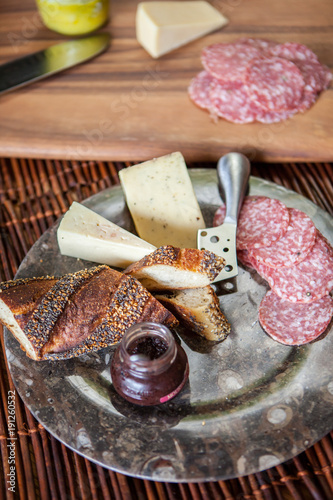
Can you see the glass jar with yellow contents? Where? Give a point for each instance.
(73, 17)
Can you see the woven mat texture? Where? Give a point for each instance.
(33, 195)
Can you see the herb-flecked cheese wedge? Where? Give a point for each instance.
(162, 202)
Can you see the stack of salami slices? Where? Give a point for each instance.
(285, 248)
(258, 80)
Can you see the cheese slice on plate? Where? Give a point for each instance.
(84, 234)
(162, 202)
(165, 26)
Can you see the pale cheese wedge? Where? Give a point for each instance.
(162, 202)
(165, 26)
(84, 234)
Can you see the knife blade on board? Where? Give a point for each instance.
(233, 171)
(33, 67)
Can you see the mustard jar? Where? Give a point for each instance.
(73, 17)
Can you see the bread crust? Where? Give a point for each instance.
(198, 310)
(79, 313)
(22, 298)
(172, 268)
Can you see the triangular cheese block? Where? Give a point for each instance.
(165, 26)
(163, 205)
(87, 235)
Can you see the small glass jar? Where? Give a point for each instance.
(73, 17)
(149, 367)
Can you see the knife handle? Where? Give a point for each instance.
(233, 171)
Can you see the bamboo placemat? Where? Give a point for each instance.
(33, 195)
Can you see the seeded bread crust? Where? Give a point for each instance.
(198, 310)
(23, 299)
(77, 313)
(23, 281)
(172, 268)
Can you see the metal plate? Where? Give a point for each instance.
(250, 402)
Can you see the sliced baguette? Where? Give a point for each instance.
(172, 268)
(79, 313)
(18, 299)
(198, 310)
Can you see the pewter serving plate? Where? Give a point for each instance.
(250, 402)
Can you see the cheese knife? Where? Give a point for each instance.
(233, 171)
(33, 67)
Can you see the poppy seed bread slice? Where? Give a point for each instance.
(172, 268)
(198, 310)
(76, 313)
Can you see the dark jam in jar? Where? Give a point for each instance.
(149, 367)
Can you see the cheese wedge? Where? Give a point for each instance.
(87, 235)
(165, 26)
(162, 202)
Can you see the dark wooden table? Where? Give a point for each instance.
(33, 195)
(126, 105)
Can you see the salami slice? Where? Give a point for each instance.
(275, 116)
(262, 221)
(293, 51)
(228, 61)
(244, 258)
(259, 43)
(199, 90)
(316, 76)
(307, 281)
(294, 324)
(233, 104)
(294, 245)
(275, 84)
(257, 80)
(219, 216)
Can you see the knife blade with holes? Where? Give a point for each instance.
(233, 171)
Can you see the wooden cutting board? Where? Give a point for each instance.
(123, 105)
